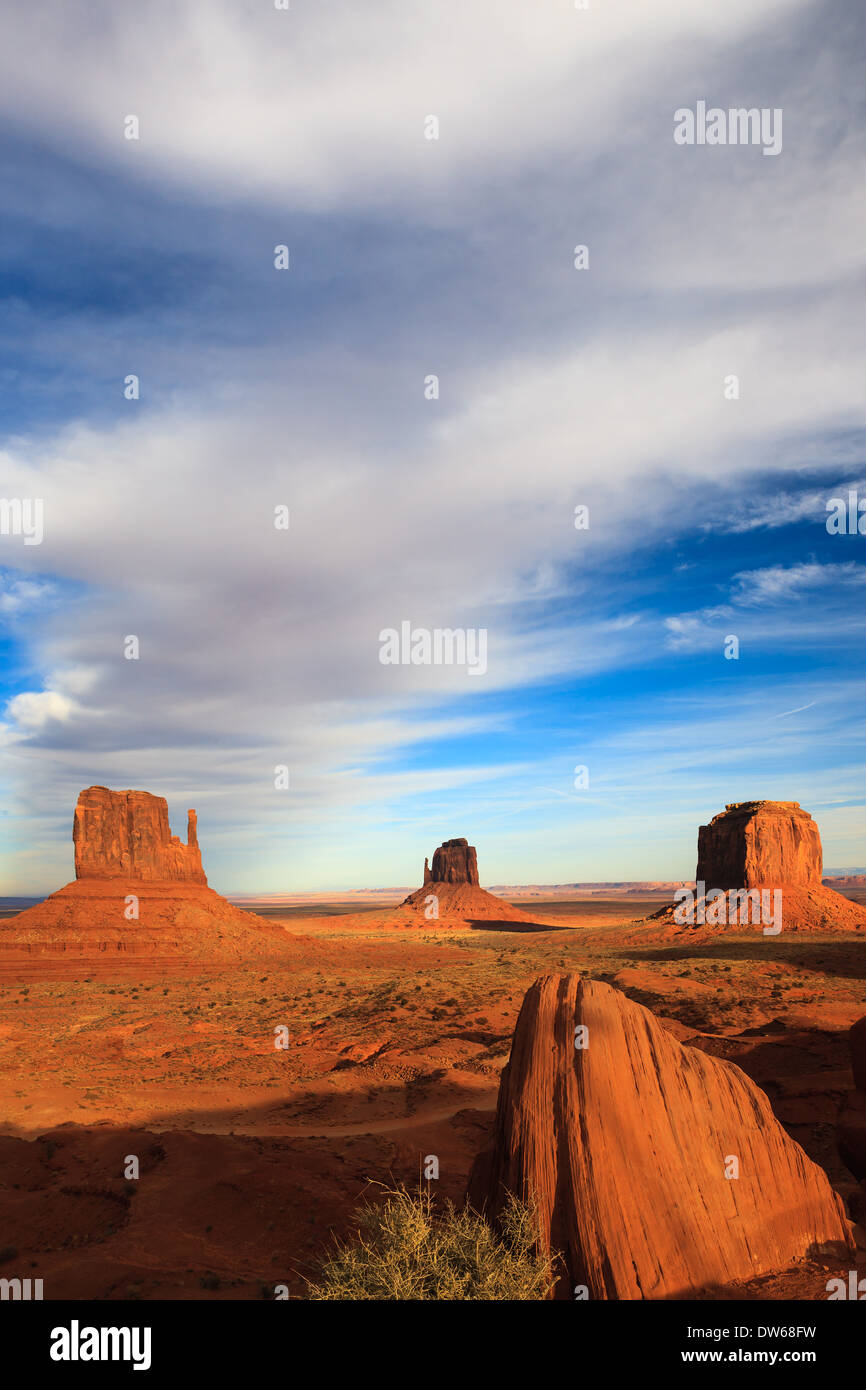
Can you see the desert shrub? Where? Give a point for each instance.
(408, 1249)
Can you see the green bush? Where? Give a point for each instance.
(408, 1250)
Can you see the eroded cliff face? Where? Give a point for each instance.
(759, 842)
(126, 834)
(656, 1170)
(455, 861)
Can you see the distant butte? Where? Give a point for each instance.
(451, 892)
(752, 843)
(137, 889)
(751, 847)
(455, 861)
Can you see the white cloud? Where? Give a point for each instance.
(322, 106)
(32, 709)
(780, 583)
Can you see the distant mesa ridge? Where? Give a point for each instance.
(126, 834)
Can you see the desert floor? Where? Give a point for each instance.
(253, 1158)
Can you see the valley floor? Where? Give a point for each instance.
(252, 1157)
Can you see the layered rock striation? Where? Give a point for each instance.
(656, 1171)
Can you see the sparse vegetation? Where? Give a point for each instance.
(407, 1249)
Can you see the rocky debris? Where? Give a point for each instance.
(752, 843)
(126, 834)
(101, 919)
(455, 861)
(627, 1144)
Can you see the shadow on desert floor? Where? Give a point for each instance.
(831, 956)
(482, 924)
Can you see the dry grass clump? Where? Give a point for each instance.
(408, 1250)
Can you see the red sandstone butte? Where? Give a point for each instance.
(127, 835)
(453, 883)
(623, 1146)
(138, 891)
(455, 861)
(762, 845)
(752, 843)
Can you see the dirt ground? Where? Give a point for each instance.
(252, 1157)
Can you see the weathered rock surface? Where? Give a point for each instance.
(752, 843)
(455, 861)
(102, 918)
(623, 1145)
(127, 835)
(857, 1043)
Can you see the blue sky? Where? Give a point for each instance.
(558, 387)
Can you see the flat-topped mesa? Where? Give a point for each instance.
(754, 843)
(127, 835)
(455, 861)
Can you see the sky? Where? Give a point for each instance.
(607, 387)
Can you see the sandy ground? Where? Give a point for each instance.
(253, 1157)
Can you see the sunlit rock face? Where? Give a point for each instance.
(752, 843)
(126, 834)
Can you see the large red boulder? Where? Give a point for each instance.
(127, 835)
(656, 1171)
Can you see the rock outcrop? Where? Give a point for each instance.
(127, 835)
(451, 893)
(759, 866)
(455, 861)
(138, 891)
(629, 1144)
(752, 843)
